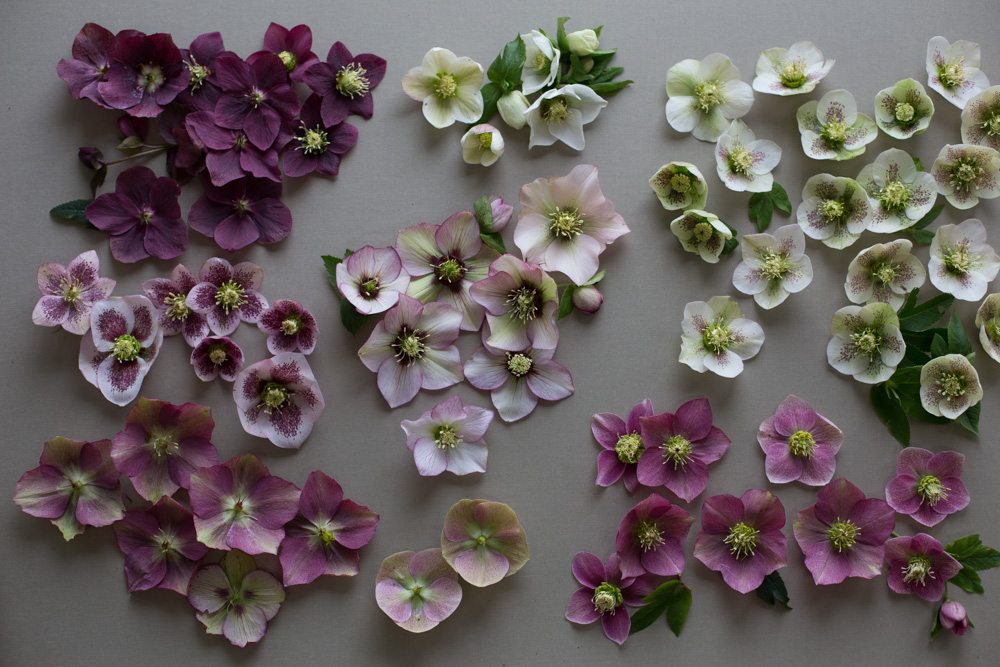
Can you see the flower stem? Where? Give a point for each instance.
(152, 150)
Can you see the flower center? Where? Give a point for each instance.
(126, 348)
(409, 346)
(740, 161)
(680, 183)
(230, 295)
(218, 355)
(150, 77)
(894, 196)
(607, 598)
(449, 270)
(648, 535)
(993, 330)
(708, 95)
(801, 444)
(542, 62)
(445, 87)
(843, 535)
(519, 364)
(992, 124)
(291, 325)
(313, 141)
(565, 223)
(742, 540)
(832, 209)
(793, 74)
(964, 173)
(703, 231)
(177, 308)
(904, 112)
(555, 110)
(775, 265)
(256, 97)
(717, 338)
(930, 490)
(957, 260)
(835, 132)
(952, 74)
(446, 437)
(197, 74)
(145, 215)
(677, 450)
(486, 141)
(866, 340)
(629, 447)
(288, 60)
(481, 540)
(917, 570)
(369, 288)
(239, 143)
(951, 385)
(352, 80)
(274, 396)
(884, 273)
(163, 446)
(71, 291)
(523, 303)
(326, 536)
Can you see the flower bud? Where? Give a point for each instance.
(502, 213)
(91, 157)
(587, 298)
(512, 107)
(582, 42)
(954, 618)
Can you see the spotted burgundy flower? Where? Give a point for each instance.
(244, 211)
(169, 295)
(90, 63)
(229, 155)
(289, 327)
(279, 399)
(316, 146)
(256, 96)
(345, 82)
(217, 356)
(228, 294)
(146, 73)
(70, 292)
(293, 46)
(203, 90)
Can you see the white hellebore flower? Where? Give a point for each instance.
(966, 173)
(866, 343)
(716, 337)
(832, 128)
(744, 162)
(513, 108)
(703, 96)
(834, 210)
(773, 266)
(792, 71)
(962, 263)
(702, 233)
(981, 119)
(988, 321)
(885, 272)
(541, 62)
(679, 186)
(953, 70)
(560, 114)
(583, 42)
(448, 86)
(949, 386)
(899, 194)
(903, 110)
(482, 144)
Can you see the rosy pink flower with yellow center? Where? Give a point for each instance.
(228, 294)
(372, 279)
(449, 437)
(800, 445)
(70, 292)
(483, 541)
(604, 594)
(621, 445)
(279, 399)
(927, 486)
(521, 302)
(417, 590)
(919, 565)
(169, 295)
(651, 538)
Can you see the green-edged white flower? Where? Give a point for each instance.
(744, 163)
(703, 96)
(792, 71)
(773, 266)
(513, 108)
(702, 233)
(716, 337)
(448, 86)
(962, 263)
(966, 173)
(885, 272)
(949, 386)
(953, 70)
(832, 128)
(834, 210)
(988, 322)
(866, 342)
(900, 194)
(679, 186)
(981, 119)
(560, 114)
(903, 110)
(482, 144)
(541, 62)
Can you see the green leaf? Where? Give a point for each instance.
(679, 608)
(731, 244)
(773, 591)
(505, 70)
(495, 241)
(130, 145)
(969, 420)
(939, 347)
(918, 164)
(915, 316)
(74, 211)
(491, 95)
(330, 263)
(779, 198)
(97, 180)
(936, 624)
(958, 342)
(561, 40)
(760, 210)
(921, 236)
(889, 410)
(971, 552)
(483, 211)
(566, 301)
(608, 74)
(672, 598)
(611, 87)
(929, 217)
(969, 581)
(351, 319)
(596, 278)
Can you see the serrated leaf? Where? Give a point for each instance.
(760, 210)
(73, 210)
(969, 420)
(330, 263)
(958, 341)
(889, 410)
(351, 318)
(929, 217)
(610, 88)
(505, 70)
(608, 74)
(491, 95)
(969, 581)
(772, 590)
(566, 301)
(971, 552)
(779, 199)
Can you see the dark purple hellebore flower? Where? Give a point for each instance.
(345, 82)
(919, 565)
(651, 538)
(316, 146)
(292, 46)
(185, 157)
(604, 593)
(169, 295)
(242, 212)
(146, 74)
(256, 97)
(229, 154)
(217, 356)
(90, 63)
(202, 91)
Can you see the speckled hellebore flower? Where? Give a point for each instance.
(256, 96)
(954, 618)
(844, 533)
(229, 155)
(949, 385)
(70, 292)
(541, 62)
(413, 348)
(604, 594)
(835, 210)
(90, 63)
(927, 486)
(240, 505)
(962, 263)
(919, 565)
(679, 186)
(716, 337)
(899, 194)
(372, 279)
(162, 444)
(560, 114)
(449, 437)
(482, 144)
(704, 96)
(448, 86)
(651, 538)
(866, 342)
(621, 445)
(228, 294)
(884, 272)
(701, 233)
(217, 356)
(903, 110)
(678, 447)
(988, 323)
(169, 295)
(289, 327)
(159, 546)
(966, 173)
(345, 82)
(247, 210)
(792, 71)
(317, 147)
(743, 162)
(483, 541)
(953, 70)
(981, 119)
(417, 590)
(293, 46)
(145, 74)
(800, 445)
(75, 485)
(832, 128)
(325, 536)
(279, 399)
(521, 302)
(773, 266)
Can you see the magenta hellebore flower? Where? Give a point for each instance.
(160, 547)
(142, 216)
(70, 292)
(449, 437)
(621, 445)
(927, 486)
(678, 448)
(651, 538)
(417, 590)
(227, 294)
(202, 91)
(146, 74)
(954, 618)
(75, 485)
(604, 593)
(483, 541)
(162, 444)
(919, 565)
(256, 96)
(169, 295)
(244, 211)
(325, 536)
(90, 63)
(289, 327)
(316, 146)
(279, 399)
(217, 356)
(799, 444)
(521, 303)
(241, 505)
(741, 538)
(293, 47)
(843, 535)
(345, 82)
(228, 153)
(372, 279)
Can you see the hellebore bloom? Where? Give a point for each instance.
(800, 445)
(962, 263)
(227, 294)
(289, 327)
(279, 399)
(966, 173)
(583, 42)
(169, 295)
(741, 538)
(256, 96)
(235, 598)
(988, 322)
(927, 486)
(160, 547)
(293, 48)
(448, 86)
(832, 128)
(145, 74)
(75, 485)
(953, 70)
(316, 146)
(202, 90)
(651, 538)
(679, 186)
(903, 110)
(449, 437)
(124, 342)
(560, 114)
(621, 445)
(521, 302)
(981, 119)
(604, 593)
(326, 535)
(702, 233)
(240, 505)
(142, 216)
(244, 211)
(217, 356)
(229, 155)
(483, 541)
(954, 618)
(70, 292)
(541, 62)
(866, 342)
(919, 565)
(843, 535)
(372, 279)
(792, 71)
(90, 63)
(587, 299)
(716, 337)
(417, 590)
(773, 266)
(345, 82)
(743, 162)
(949, 385)
(482, 144)
(704, 96)
(513, 108)
(567, 222)
(162, 444)
(899, 194)
(678, 447)
(885, 272)
(834, 210)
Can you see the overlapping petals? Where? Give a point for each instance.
(70, 292)
(483, 541)
(279, 399)
(800, 445)
(417, 590)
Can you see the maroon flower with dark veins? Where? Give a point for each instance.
(229, 154)
(345, 82)
(279, 399)
(89, 64)
(169, 295)
(316, 146)
(242, 212)
(227, 294)
(146, 74)
(289, 327)
(217, 356)
(202, 91)
(256, 96)
(293, 47)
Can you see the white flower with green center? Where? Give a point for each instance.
(966, 173)
(900, 195)
(703, 96)
(834, 210)
(832, 128)
(904, 109)
(702, 233)
(792, 71)
(885, 272)
(541, 62)
(949, 386)
(560, 114)
(716, 337)
(953, 70)
(743, 162)
(448, 86)
(679, 186)
(773, 266)
(988, 323)
(962, 263)
(482, 144)
(866, 342)
(981, 119)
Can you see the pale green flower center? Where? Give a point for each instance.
(450, 270)
(239, 143)
(150, 78)
(993, 330)
(717, 338)
(703, 231)
(230, 295)
(708, 95)
(519, 365)
(992, 124)
(197, 74)
(565, 223)
(917, 570)
(71, 291)
(740, 161)
(802, 444)
(523, 303)
(832, 209)
(952, 74)
(930, 490)
(352, 80)
(894, 196)
(313, 141)
(677, 450)
(680, 183)
(843, 535)
(629, 448)
(648, 535)
(163, 446)
(964, 173)
(742, 540)
(486, 141)
(256, 97)
(326, 536)
(775, 265)
(542, 62)
(607, 598)
(217, 356)
(867, 340)
(835, 132)
(369, 288)
(288, 60)
(409, 346)
(951, 385)
(957, 259)
(145, 215)
(291, 325)
(904, 112)
(446, 437)
(481, 540)
(793, 74)
(555, 110)
(177, 308)
(274, 396)
(884, 273)
(445, 87)
(126, 348)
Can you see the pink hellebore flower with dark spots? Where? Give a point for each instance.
(247, 210)
(256, 96)
(227, 294)
(217, 356)
(293, 46)
(90, 63)
(621, 445)
(169, 295)
(70, 292)
(651, 538)
(417, 590)
(927, 486)
(289, 327)
(345, 82)
(604, 594)
(800, 445)
(146, 74)
(279, 399)
(483, 541)
(919, 565)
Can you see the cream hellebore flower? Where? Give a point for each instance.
(482, 144)
(679, 186)
(744, 163)
(966, 173)
(702, 233)
(949, 386)
(899, 194)
(866, 343)
(981, 119)
(834, 210)
(448, 86)
(773, 266)
(560, 114)
(953, 70)
(513, 108)
(583, 42)
(716, 337)
(703, 96)
(962, 263)
(904, 109)
(885, 272)
(988, 321)
(832, 128)
(792, 71)
(541, 62)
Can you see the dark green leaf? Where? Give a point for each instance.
(731, 244)
(779, 198)
(609, 74)
(672, 598)
(331, 262)
(483, 210)
(494, 241)
(760, 210)
(929, 217)
(678, 609)
(74, 211)
(773, 591)
(561, 40)
(921, 236)
(505, 71)
(130, 145)
(958, 342)
(971, 552)
(889, 410)
(596, 278)
(97, 180)
(491, 94)
(969, 420)
(915, 316)
(968, 580)
(610, 88)
(566, 301)
(936, 625)
(352, 319)
(939, 347)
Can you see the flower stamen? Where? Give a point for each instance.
(931, 490)
(607, 598)
(629, 447)
(352, 80)
(648, 535)
(565, 223)
(230, 295)
(843, 535)
(126, 348)
(519, 364)
(522, 303)
(801, 444)
(677, 450)
(742, 540)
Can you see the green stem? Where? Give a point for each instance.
(153, 150)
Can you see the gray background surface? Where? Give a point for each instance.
(67, 603)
